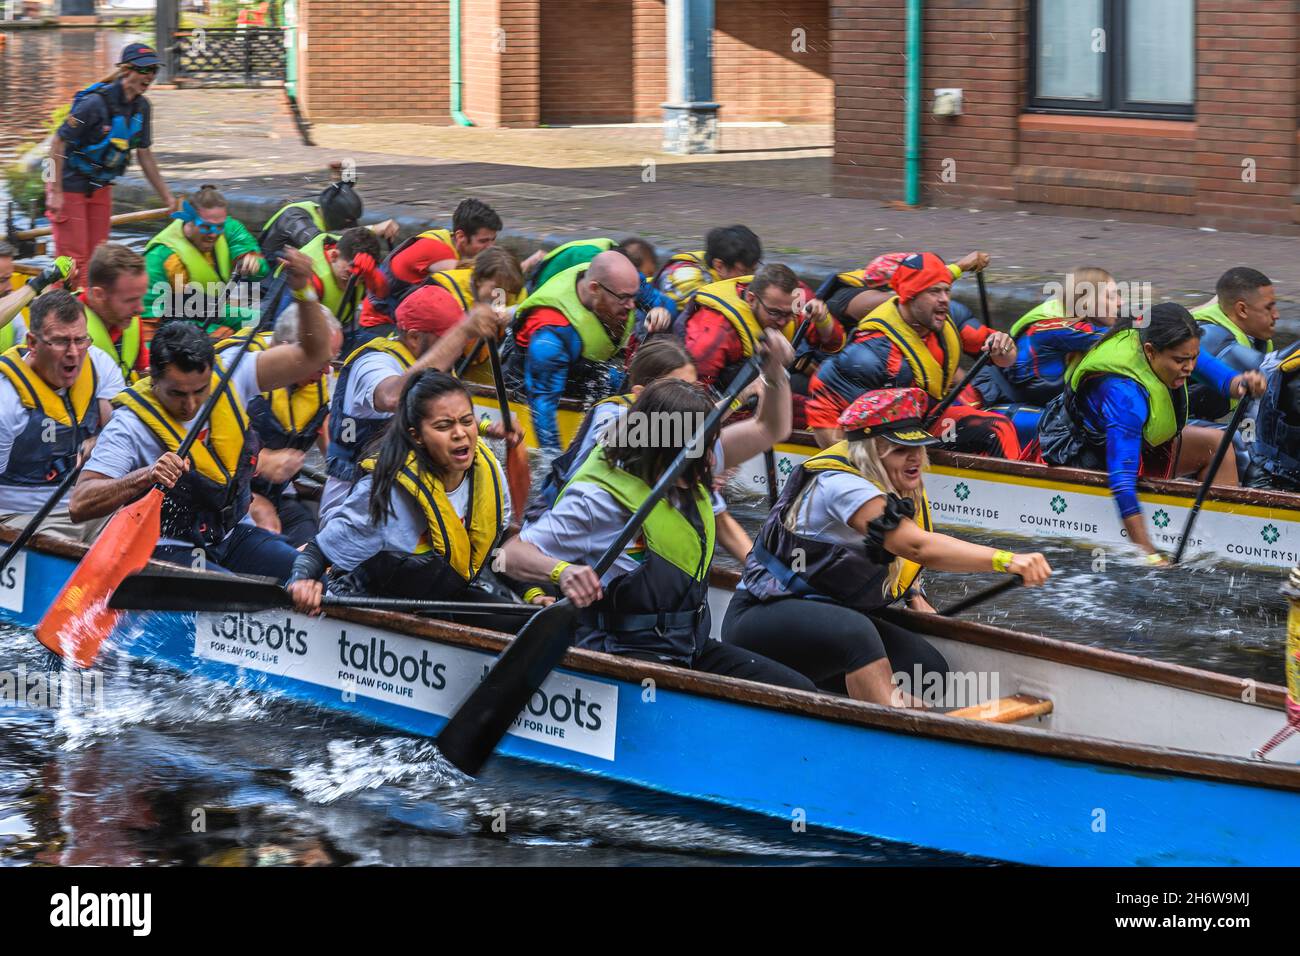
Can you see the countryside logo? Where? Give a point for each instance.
(1270, 534)
(1161, 518)
(962, 491)
(1059, 505)
(784, 466)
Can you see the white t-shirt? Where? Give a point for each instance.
(830, 501)
(126, 443)
(368, 371)
(348, 538)
(21, 499)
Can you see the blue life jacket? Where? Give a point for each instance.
(104, 160)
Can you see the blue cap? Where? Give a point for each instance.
(139, 54)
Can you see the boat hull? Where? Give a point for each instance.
(764, 755)
(1259, 529)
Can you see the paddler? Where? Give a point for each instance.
(641, 254)
(474, 227)
(1237, 329)
(912, 340)
(653, 603)
(852, 296)
(848, 537)
(54, 401)
(1125, 403)
(659, 357)
(724, 321)
(426, 514)
(494, 279)
(205, 511)
(729, 252)
(113, 300)
(370, 383)
(62, 272)
(1062, 327)
(335, 258)
(1275, 453)
(288, 422)
(191, 261)
(337, 208)
(565, 338)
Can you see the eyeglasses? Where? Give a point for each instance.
(624, 298)
(146, 70)
(63, 343)
(206, 228)
(783, 314)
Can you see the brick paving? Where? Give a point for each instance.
(555, 184)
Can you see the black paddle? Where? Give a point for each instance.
(979, 597)
(1219, 454)
(975, 368)
(483, 719)
(25, 535)
(152, 590)
(348, 304)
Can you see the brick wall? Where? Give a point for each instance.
(586, 63)
(383, 62)
(1247, 93)
(757, 72)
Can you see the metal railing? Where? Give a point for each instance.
(249, 54)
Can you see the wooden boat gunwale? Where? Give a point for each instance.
(824, 706)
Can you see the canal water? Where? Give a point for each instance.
(177, 771)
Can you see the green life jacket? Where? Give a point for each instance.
(561, 293)
(667, 532)
(1215, 315)
(310, 205)
(8, 338)
(1122, 354)
(568, 255)
(125, 352)
(1051, 309)
(332, 297)
(197, 267)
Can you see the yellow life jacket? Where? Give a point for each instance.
(465, 546)
(33, 391)
(928, 374)
(836, 458)
(217, 459)
(725, 297)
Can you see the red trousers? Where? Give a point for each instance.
(82, 225)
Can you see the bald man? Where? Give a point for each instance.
(567, 335)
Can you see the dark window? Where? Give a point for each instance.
(1125, 57)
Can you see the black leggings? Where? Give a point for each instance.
(825, 641)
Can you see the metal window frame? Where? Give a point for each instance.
(1112, 101)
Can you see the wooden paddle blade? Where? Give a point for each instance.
(482, 720)
(80, 619)
(154, 590)
(519, 478)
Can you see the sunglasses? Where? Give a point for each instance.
(206, 228)
(146, 70)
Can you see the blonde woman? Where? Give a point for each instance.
(849, 536)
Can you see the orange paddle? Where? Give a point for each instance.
(80, 620)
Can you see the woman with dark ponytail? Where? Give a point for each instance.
(1124, 410)
(424, 518)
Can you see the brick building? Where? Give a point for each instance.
(531, 62)
(1165, 108)
(1176, 110)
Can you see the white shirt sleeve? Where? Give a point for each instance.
(367, 373)
(13, 418)
(121, 447)
(111, 382)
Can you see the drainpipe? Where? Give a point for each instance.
(912, 119)
(457, 112)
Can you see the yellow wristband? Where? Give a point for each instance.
(557, 571)
(1156, 558)
(1002, 561)
(484, 424)
(532, 594)
(306, 294)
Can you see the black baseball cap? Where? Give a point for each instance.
(139, 54)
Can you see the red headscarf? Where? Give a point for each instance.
(918, 272)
